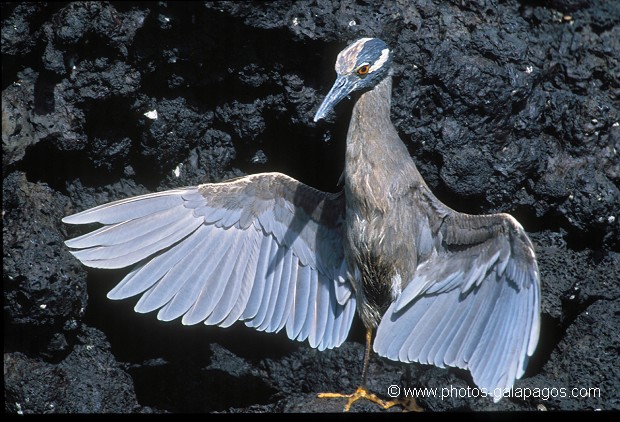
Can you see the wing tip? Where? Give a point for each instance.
(82, 217)
(71, 243)
(113, 295)
(73, 219)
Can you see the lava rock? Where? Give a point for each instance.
(44, 289)
(504, 106)
(88, 380)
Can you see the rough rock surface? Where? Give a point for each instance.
(507, 106)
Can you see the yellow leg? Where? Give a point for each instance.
(360, 393)
(363, 393)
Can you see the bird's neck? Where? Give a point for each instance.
(374, 106)
(377, 161)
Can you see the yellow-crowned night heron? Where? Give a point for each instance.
(439, 287)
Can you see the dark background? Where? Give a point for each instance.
(506, 106)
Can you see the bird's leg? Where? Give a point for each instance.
(363, 393)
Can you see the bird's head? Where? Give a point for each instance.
(360, 66)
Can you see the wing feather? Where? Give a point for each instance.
(309, 325)
(187, 294)
(264, 249)
(232, 287)
(124, 253)
(128, 209)
(320, 311)
(148, 273)
(247, 277)
(282, 304)
(271, 291)
(473, 301)
(170, 284)
(267, 252)
(219, 278)
(300, 302)
(341, 328)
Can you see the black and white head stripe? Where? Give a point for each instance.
(370, 51)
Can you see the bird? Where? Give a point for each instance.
(433, 285)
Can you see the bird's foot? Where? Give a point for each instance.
(408, 404)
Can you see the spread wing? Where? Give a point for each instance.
(474, 300)
(265, 249)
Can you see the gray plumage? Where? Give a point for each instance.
(439, 287)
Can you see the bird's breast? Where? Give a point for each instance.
(371, 259)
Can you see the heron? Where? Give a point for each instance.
(431, 284)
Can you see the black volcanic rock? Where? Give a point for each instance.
(505, 107)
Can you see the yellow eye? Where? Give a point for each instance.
(363, 70)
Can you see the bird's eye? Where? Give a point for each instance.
(363, 70)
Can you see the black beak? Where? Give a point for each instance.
(341, 88)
